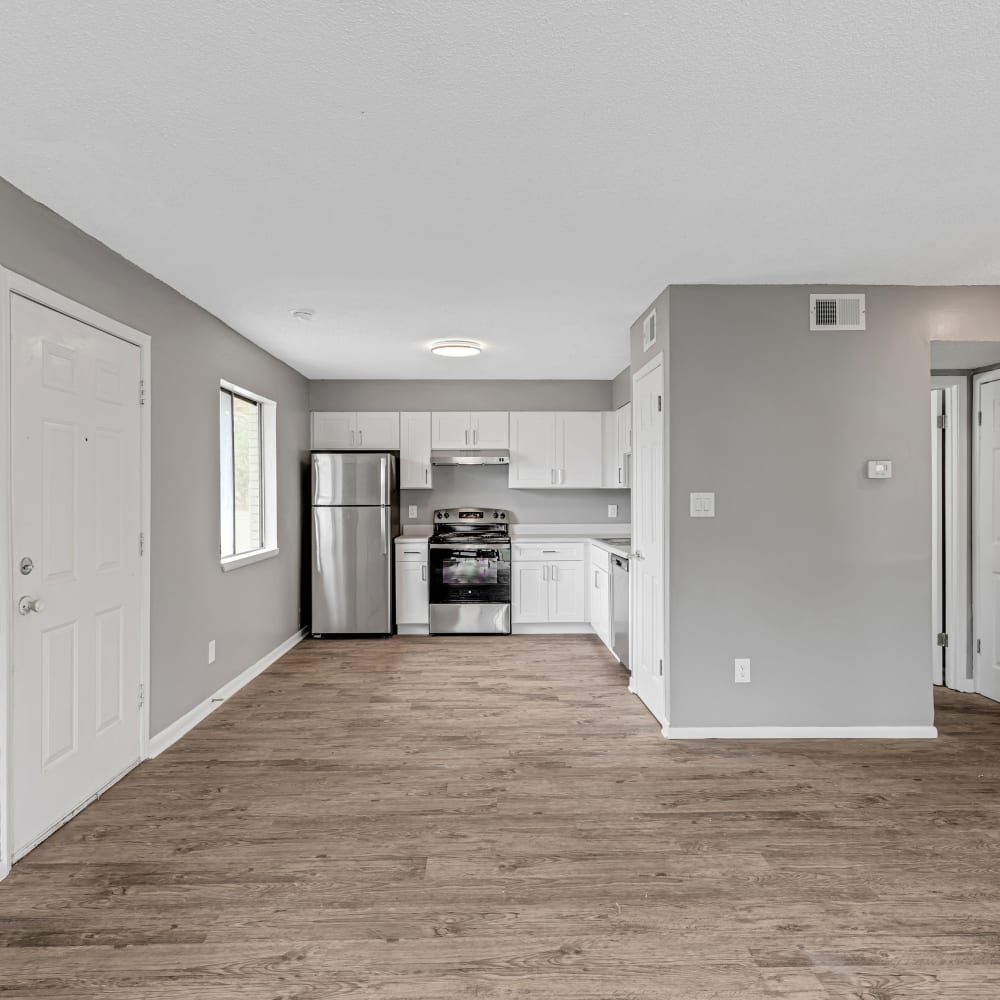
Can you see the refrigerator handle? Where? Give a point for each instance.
(384, 529)
(383, 478)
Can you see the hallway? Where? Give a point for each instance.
(497, 818)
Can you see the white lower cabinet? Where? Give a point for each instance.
(600, 603)
(411, 583)
(548, 584)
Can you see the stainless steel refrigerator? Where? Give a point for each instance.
(355, 517)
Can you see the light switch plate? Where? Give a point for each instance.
(412, 512)
(879, 468)
(211, 652)
(742, 675)
(703, 505)
(612, 510)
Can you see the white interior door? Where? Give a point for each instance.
(987, 605)
(938, 623)
(647, 565)
(76, 509)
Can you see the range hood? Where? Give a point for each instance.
(462, 456)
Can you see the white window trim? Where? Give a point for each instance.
(269, 473)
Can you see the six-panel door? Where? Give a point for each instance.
(76, 523)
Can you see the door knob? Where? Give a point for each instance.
(28, 604)
(637, 554)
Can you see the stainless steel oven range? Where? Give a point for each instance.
(470, 572)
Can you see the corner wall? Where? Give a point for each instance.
(248, 611)
(818, 574)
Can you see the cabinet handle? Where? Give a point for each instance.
(619, 475)
(555, 576)
(466, 437)
(413, 552)
(552, 477)
(361, 438)
(550, 552)
(353, 445)
(545, 573)
(427, 475)
(597, 586)
(562, 477)
(423, 573)
(475, 435)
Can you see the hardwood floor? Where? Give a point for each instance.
(497, 818)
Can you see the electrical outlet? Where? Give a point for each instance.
(412, 512)
(742, 671)
(211, 652)
(612, 510)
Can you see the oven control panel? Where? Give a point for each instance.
(471, 515)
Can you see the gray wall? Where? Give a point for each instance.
(248, 611)
(621, 388)
(483, 486)
(459, 394)
(819, 575)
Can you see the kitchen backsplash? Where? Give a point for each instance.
(486, 486)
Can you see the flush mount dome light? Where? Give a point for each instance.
(456, 348)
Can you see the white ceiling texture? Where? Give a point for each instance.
(527, 173)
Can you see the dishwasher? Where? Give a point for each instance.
(619, 608)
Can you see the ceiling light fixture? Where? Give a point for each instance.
(303, 315)
(456, 348)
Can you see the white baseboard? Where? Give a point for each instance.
(169, 736)
(800, 732)
(552, 628)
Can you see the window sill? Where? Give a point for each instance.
(259, 555)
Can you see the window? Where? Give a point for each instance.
(248, 493)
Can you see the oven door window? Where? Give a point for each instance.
(470, 576)
(470, 571)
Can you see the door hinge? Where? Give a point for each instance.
(142, 543)
(142, 392)
(979, 645)
(142, 695)
(659, 404)
(979, 418)
(942, 639)
(942, 422)
(661, 668)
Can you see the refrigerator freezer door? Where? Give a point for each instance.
(341, 479)
(351, 571)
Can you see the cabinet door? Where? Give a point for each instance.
(378, 430)
(411, 593)
(334, 431)
(579, 462)
(529, 592)
(625, 428)
(490, 429)
(415, 451)
(567, 596)
(532, 450)
(451, 430)
(611, 475)
(600, 604)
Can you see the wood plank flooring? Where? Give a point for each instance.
(497, 818)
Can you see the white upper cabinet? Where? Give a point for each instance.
(579, 454)
(462, 429)
(618, 448)
(363, 431)
(334, 430)
(415, 471)
(532, 450)
(556, 450)
(490, 429)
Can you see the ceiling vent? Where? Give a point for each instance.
(649, 331)
(836, 312)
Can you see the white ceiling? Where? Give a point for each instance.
(529, 174)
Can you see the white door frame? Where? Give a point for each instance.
(957, 482)
(11, 283)
(654, 363)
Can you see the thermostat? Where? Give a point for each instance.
(879, 468)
